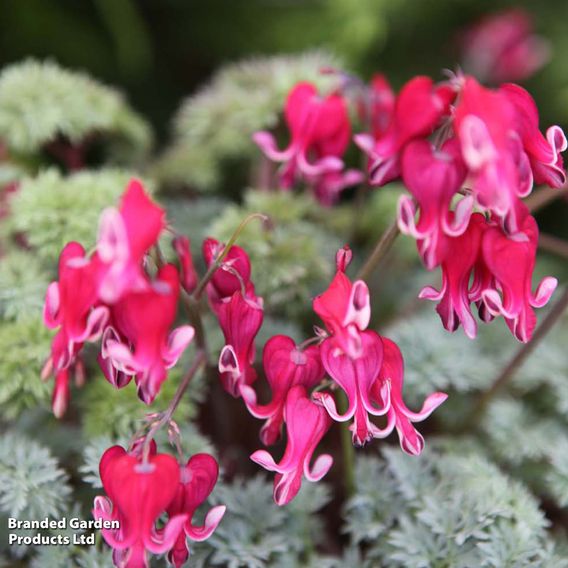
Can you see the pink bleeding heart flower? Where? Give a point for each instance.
(458, 258)
(345, 308)
(61, 394)
(138, 493)
(306, 424)
(319, 130)
(485, 123)
(328, 186)
(433, 177)
(544, 153)
(197, 480)
(234, 274)
(399, 416)
(144, 318)
(356, 377)
(125, 236)
(240, 319)
(511, 260)
(72, 305)
(376, 106)
(118, 375)
(418, 110)
(189, 277)
(285, 366)
(503, 47)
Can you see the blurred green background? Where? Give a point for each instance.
(159, 51)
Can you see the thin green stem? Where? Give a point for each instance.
(347, 449)
(517, 360)
(192, 310)
(168, 413)
(221, 256)
(553, 244)
(541, 198)
(383, 245)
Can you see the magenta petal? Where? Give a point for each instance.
(212, 520)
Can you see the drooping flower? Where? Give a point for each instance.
(457, 256)
(433, 177)
(376, 106)
(319, 135)
(399, 416)
(418, 110)
(285, 366)
(510, 260)
(233, 275)
(240, 319)
(138, 493)
(61, 394)
(356, 376)
(117, 374)
(144, 319)
(544, 153)
(197, 479)
(499, 169)
(306, 424)
(327, 187)
(503, 47)
(71, 304)
(125, 236)
(188, 277)
(345, 307)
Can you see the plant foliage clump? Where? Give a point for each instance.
(40, 101)
(217, 123)
(453, 509)
(51, 210)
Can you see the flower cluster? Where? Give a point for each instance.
(110, 294)
(140, 490)
(460, 147)
(367, 367)
(468, 155)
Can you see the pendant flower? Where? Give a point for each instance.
(138, 493)
(306, 424)
(285, 366)
(125, 236)
(197, 480)
(320, 133)
(240, 319)
(144, 318)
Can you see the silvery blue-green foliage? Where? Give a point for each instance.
(40, 101)
(445, 509)
(292, 255)
(256, 533)
(557, 477)
(217, 123)
(92, 454)
(517, 433)
(52, 210)
(71, 555)
(23, 282)
(32, 485)
(437, 360)
(24, 345)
